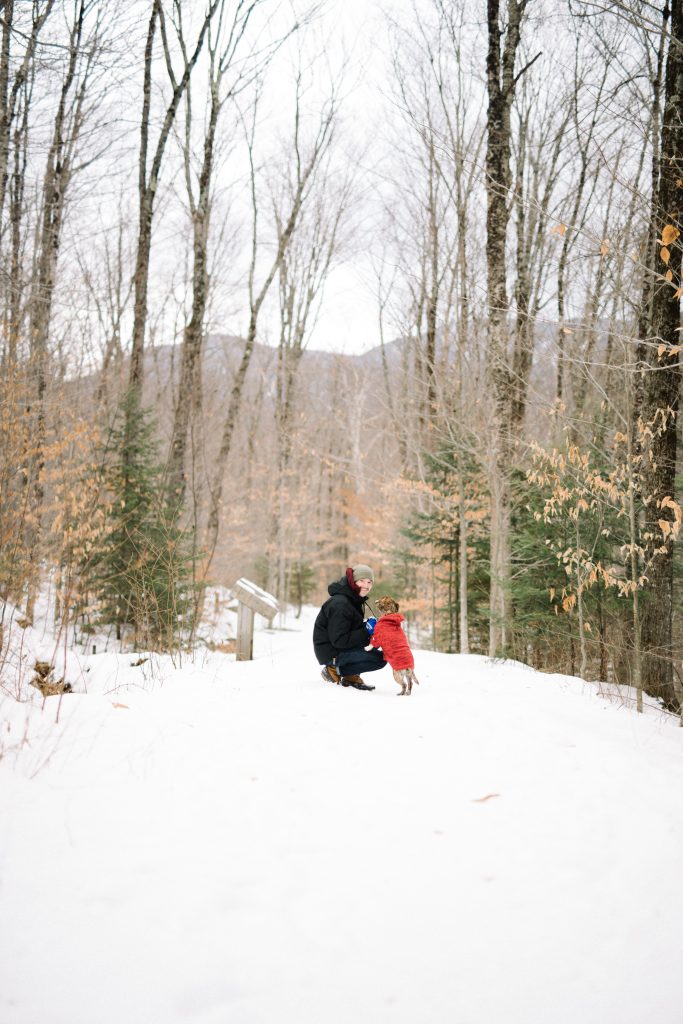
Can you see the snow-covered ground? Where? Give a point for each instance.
(226, 843)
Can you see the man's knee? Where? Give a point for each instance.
(352, 662)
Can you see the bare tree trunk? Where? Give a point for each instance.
(17, 186)
(222, 55)
(9, 96)
(464, 565)
(5, 112)
(633, 560)
(216, 496)
(397, 421)
(660, 326)
(111, 310)
(501, 86)
(194, 331)
(537, 172)
(460, 187)
(148, 182)
(585, 368)
(435, 276)
(58, 173)
(579, 602)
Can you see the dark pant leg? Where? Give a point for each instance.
(352, 663)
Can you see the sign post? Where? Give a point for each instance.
(251, 599)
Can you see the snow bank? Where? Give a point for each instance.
(210, 841)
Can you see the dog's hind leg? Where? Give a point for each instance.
(399, 676)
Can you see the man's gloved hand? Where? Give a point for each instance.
(370, 625)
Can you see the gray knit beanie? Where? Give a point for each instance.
(362, 572)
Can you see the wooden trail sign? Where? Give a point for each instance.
(251, 599)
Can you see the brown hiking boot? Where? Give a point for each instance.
(356, 682)
(330, 674)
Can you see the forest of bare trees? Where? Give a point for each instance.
(179, 184)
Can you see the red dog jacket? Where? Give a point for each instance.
(390, 637)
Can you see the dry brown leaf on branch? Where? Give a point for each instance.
(668, 502)
(671, 350)
(664, 254)
(604, 247)
(669, 234)
(483, 799)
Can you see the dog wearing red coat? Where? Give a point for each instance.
(388, 634)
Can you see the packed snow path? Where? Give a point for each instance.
(245, 844)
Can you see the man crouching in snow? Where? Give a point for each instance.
(388, 634)
(341, 634)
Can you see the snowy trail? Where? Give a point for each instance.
(247, 845)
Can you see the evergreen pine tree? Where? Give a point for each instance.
(142, 570)
(300, 583)
(434, 537)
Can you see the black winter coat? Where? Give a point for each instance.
(340, 623)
